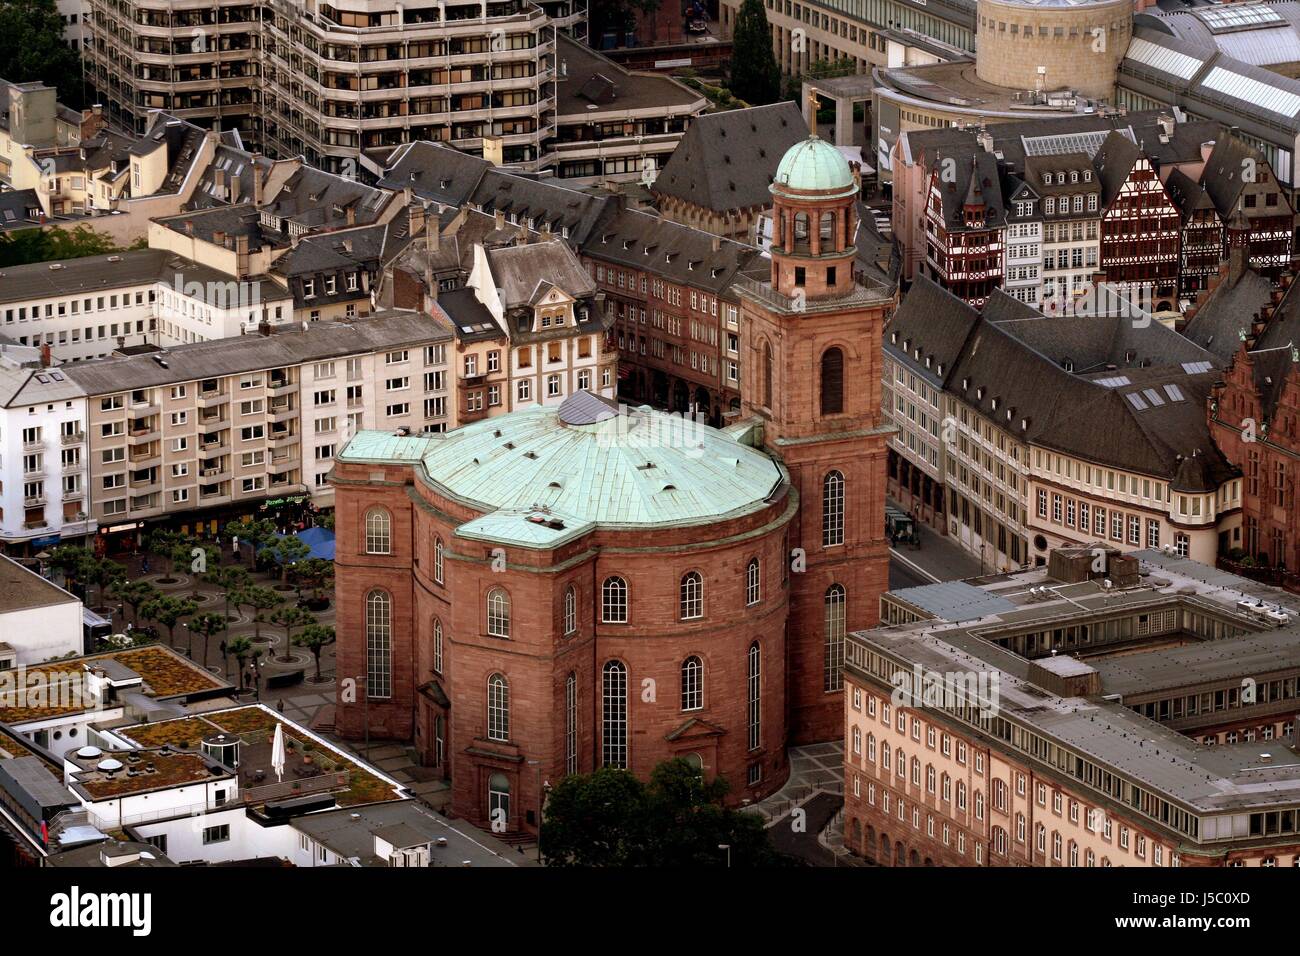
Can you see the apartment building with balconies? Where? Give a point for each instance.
(43, 452)
(212, 429)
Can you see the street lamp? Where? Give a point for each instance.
(541, 808)
(727, 847)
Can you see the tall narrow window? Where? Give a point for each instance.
(498, 708)
(692, 683)
(613, 601)
(379, 644)
(379, 532)
(753, 582)
(498, 613)
(570, 610)
(832, 672)
(753, 696)
(571, 723)
(614, 724)
(437, 560)
(832, 383)
(691, 597)
(832, 509)
(767, 375)
(437, 645)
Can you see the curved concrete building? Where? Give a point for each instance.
(1053, 44)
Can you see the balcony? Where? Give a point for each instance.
(212, 445)
(76, 438)
(34, 501)
(215, 472)
(75, 495)
(35, 444)
(281, 439)
(33, 525)
(280, 386)
(281, 411)
(143, 435)
(34, 471)
(214, 399)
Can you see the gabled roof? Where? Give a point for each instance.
(436, 172)
(1114, 162)
(726, 160)
(1187, 194)
(542, 203)
(975, 179)
(520, 270)
(1229, 310)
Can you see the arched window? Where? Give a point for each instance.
(498, 613)
(832, 383)
(753, 582)
(767, 375)
(801, 227)
(379, 532)
(614, 723)
(437, 560)
(570, 610)
(571, 723)
(498, 708)
(691, 596)
(832, 668)
(613, 601)
(832, 509)
(692, 683)
(827, 232)
(379, 644)
(754, 696)
(437, 645)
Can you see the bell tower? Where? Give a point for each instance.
(812, 376)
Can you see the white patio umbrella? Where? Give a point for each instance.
(277, 751)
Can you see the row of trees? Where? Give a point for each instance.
(83, 568)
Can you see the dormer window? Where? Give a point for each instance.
(1074, 175)
(1087, 175)
(308, 288)
(1060, 178)
(1047, 179)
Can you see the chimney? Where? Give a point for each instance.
(500, 218)
(264, 327)
(219, 181)
(985, 140)
(715, 243)
(219, 238)
(256, 174)
(45, 355)
(416, 212)
(521, 237)
(351, 215)
(234, 189)
(189, 227)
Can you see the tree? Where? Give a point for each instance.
(286, 551)
(239, 649)
(315, 575)
(256, 532)
(32, 48)
(133, 594)
(289, 617)
(195, 555)
(206, 625)
(232, 579)
(259, 599)
(610, 818)
(162, 542)
(754, 74)
(100, 572)
(168, 611)
(315, 637)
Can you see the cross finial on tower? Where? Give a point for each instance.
(813, 101)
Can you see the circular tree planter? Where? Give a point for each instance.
(316, 604)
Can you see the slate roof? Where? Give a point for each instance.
(522, 199)
(19, 209)
(976, 180)
(727, 160)
(1014, 356)
(1229, 309)
(1114, 163)
(679, 253)
(1187, 194)
(519, 270)
(436, 172)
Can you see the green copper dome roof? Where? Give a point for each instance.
(814, 165)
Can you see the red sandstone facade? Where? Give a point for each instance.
(812, 375)
(770, 642)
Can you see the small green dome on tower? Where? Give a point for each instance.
(814, 166)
